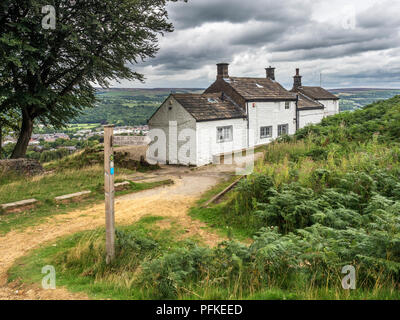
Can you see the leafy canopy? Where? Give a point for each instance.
(49, 74)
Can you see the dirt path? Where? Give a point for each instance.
(169, 201)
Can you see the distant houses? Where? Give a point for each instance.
(83, 134)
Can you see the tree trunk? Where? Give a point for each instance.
(1, 143)
(24, 136)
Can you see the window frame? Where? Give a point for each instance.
(280, 126)
(287, 105)
(230, 139)
(266, 136)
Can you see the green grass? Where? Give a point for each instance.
(49, 186)
(80, 267)
(46, 188)
(83, 126)
(109, 286)
(215, 215)
(217, 218)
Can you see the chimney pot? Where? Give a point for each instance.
(222, 70)
(297, 79)
(270, 73)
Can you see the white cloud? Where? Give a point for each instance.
(317, 36)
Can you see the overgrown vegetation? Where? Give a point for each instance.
(326, 198)
(95, 156)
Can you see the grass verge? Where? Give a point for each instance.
(217, 218)
(45, 188)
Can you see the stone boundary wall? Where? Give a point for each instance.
(21, 166)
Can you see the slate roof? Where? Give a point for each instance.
(316, 93)
(259, 89)
(210, 106)
(308, 103)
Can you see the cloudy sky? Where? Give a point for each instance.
(352, 43)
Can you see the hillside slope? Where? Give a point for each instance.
(356, 98)
(326, 198)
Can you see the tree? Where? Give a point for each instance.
(48, 75)
(8, 122)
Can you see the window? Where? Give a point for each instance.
(283, 129)
(224, 134)
(287, 105)
(265, 132)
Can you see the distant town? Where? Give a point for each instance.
(80, 135)
(48, 144)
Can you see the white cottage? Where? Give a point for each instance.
(233, 114)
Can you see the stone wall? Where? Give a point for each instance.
(21, 166)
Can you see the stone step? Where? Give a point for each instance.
(73, 196)
(19, 205)
(122, 186)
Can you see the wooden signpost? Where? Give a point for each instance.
(109, 192)
(109, 141)
(131, 140)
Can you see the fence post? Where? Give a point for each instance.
(109, 192)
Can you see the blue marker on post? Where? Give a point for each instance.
(112, 165)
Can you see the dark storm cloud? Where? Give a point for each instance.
(238, 25)
(380, 16)
(287, 31)
(190, 57)
(333, 47)
(375, 29)
(198, 12)
(260, 34)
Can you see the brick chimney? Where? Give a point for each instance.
(222, 70)
(297, 79)
(270, 73)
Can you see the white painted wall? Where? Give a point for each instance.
(196, 142)
(177, 137)
(265, 114)
(310, 117)
(331, 107)
(207, 144)
(315, 116)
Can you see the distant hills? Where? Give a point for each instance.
(133, 106)
(129, 106)
(356, 98)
